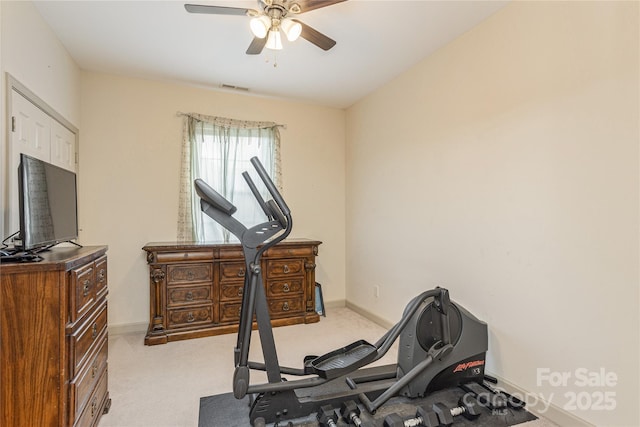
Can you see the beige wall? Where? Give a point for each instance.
(505, 168)
(129, 164)
(33, 55)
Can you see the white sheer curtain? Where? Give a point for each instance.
(218, 150)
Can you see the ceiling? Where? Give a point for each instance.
(376, 41)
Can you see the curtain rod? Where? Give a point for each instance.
(224, 121)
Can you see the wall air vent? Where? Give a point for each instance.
(232, 87)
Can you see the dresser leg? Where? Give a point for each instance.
(107, 406)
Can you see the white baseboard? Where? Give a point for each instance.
(127, 328)
(335, 304)
(543, 409)
(369, 315)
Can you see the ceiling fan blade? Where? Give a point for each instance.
(307, 5)
(316, 37)
(256, 46)
(216, 10)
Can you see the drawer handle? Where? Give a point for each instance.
(94, 370)
(190, 275)
(94, 331)
(94, 407)
(285, 306)
(189, 296)
(239, 311)
(190, 317)
(241, 272)
(86, 287)
(240, 292)
(285, 269)
(285, 287)
(101, 275)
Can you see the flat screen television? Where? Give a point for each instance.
(48, 204)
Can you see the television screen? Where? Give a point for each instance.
(48, 203)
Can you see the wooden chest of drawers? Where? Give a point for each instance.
(196, 289)
(53, 339)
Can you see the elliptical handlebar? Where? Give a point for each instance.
(256, 194)
(277, 197)
(275, 209)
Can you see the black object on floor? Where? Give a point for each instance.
(224, 410)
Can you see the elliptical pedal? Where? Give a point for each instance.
(344, 360)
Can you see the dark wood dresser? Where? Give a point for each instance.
(196, 289)
(53, 339)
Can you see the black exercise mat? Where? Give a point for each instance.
(223, 410)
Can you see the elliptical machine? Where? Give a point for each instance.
(441, 344)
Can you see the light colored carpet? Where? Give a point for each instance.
(161, 386)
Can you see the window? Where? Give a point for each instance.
(218, 151)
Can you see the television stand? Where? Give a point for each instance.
(54, 352)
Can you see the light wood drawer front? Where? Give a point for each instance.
(231, 292)
(288, 252)
(230, 312)
(188, 295)
(184, 256)
(232, 271)
(282, 288)
(189, 273)
(284, 268)
(285, 307)
(184, 317)
(101, 275)
(94, 407)
(86, 337)
(83, 291)
(83, 384)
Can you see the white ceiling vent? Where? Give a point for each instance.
(233, 87)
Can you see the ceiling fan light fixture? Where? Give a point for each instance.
(291, 28)
(260, 26)
(274, 40)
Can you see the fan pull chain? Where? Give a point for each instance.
(275, 60)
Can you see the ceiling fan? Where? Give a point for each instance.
(275, 16)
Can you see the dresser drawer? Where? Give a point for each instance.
(184, 317)
(82, 291)
(94, 407)
(86, 337)
(230, 312)
(101, 275)
(181, 256)
(232, 271)
(231, 292)
(188, 295)
(83, 385)
(283, 251)
(189, 273)
(284, 268)
(282, 288)
(285, 307)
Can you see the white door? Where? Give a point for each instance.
(31, 129)
(63, 146)
(38, 135)
(30, 134)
